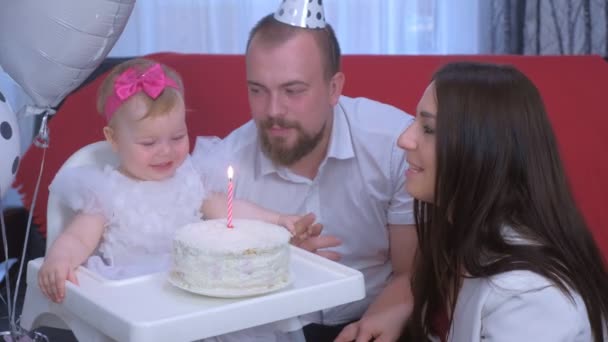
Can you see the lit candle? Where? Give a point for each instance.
(230, 195)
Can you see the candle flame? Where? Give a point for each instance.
(230, 172)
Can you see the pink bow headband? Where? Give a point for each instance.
(151, 81)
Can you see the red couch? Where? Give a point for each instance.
(574, 89)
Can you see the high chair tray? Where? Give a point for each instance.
(149, 308)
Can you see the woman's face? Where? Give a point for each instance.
(418, 140)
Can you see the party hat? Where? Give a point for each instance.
(301, 13)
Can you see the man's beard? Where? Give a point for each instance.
(275, 147)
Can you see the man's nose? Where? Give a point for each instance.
(276, 106)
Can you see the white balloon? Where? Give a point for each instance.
(50, 47)
(10, 145)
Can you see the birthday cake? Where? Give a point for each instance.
(250, 258)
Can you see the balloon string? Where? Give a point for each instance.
(6, 268)
(27, 234)
(42, 141)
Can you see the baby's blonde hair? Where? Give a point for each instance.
(168, 99)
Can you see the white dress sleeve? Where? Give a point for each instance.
(82, 189)
(539, 314)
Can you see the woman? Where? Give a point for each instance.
(504, 254)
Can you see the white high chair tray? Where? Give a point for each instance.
(149, 308)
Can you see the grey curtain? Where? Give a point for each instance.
(542, 27)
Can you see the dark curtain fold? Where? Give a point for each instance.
(546, 27)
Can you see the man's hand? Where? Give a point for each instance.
(385, 318)
(385, 326)
(307, 235)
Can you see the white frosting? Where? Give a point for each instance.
(253, 255)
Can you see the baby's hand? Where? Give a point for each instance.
(52, 276)
(289, 222)
(300, 227)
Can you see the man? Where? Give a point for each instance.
(309, 149)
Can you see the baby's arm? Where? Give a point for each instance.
(215, 206)
(73, 246)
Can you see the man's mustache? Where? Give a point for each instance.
(280, 122)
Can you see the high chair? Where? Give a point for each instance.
(148, 308)
(37, 309)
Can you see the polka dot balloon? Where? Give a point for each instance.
(10, 149)
(301, 13)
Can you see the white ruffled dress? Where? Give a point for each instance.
(141, 216)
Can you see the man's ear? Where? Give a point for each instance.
(108, 132)
(336, 84)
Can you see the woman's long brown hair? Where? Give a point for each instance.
(498, 166)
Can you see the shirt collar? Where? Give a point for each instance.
(340, 144)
